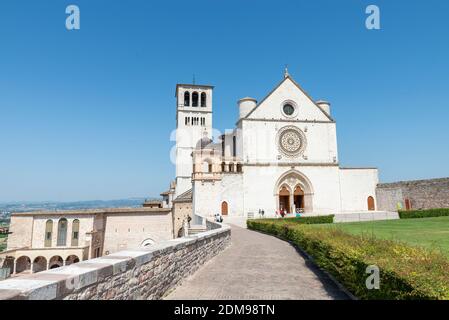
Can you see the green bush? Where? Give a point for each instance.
(406, 272)
(307, 220)
(429, 213)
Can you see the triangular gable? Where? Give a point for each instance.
(288, 89)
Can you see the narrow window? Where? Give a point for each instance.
(223, 146)
(186, 99)
(75, 232)
(234, 147)
(210, 167)
(203, 99)
(62, 233)
(195, 99)
(223, 167)
(48, 233)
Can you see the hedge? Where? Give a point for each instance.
(307, 220)
(429, 213)
(406, 272)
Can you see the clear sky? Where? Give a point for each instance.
(87, 114)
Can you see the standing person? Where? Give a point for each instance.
(263, 213)
(189, 218)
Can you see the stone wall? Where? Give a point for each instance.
(423, 194)
(142, 273)
(181, 210)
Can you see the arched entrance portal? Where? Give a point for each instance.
(408, 204)
(284, 199)
(371, 206)
(294, 192)
(224, 208)
(298, 198)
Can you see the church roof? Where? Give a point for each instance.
(203, 143)
(185, 197)
(287, 76)
(109, 211)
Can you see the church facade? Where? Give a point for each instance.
(282, 155)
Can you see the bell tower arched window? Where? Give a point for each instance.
(203, 99)
(195, 99)
(186, 99)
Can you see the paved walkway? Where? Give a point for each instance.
(257, 266)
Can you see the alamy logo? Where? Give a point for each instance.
(373, 20)
(72, 22)
(373, 280)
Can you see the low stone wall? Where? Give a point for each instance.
(422, 194)
(365, 216)
(143, 273)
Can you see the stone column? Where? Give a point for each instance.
(31, 267)
(292, 203)
(14, 266)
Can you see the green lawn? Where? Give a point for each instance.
(428, 232)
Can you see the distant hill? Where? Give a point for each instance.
(7, 208)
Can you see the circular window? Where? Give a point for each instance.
(288, 109)
(291, 141)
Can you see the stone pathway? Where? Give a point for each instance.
(257, 266)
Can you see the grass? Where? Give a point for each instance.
(431, 233)
(407, 271)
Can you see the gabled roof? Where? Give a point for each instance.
(275, 88)
(185, 197)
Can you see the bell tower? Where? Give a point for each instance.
(193, 123)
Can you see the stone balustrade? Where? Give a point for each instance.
(142, 273)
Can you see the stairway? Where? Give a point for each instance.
(195, 229)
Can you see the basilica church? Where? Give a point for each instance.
(282, 155)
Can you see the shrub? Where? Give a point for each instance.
(429, 213)
(406, 272)
(307, 220)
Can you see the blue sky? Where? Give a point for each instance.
(87, 114)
